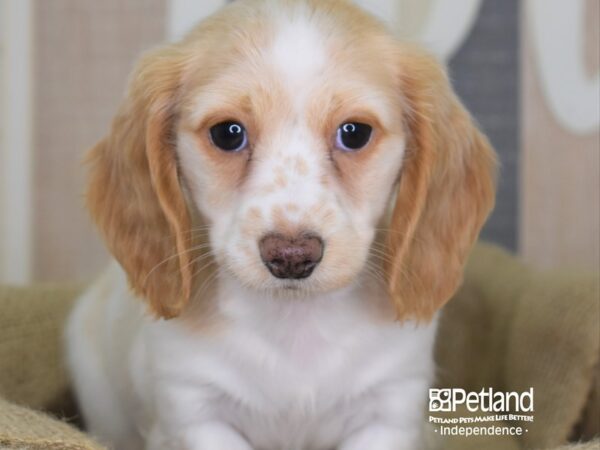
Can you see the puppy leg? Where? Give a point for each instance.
(399, 411)
(382, 437)
(209, 435)
(215, 435)
(102, 409)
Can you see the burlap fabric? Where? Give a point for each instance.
(32, 375)
(512, 328)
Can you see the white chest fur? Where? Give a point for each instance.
(284, 373)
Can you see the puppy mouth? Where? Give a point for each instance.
(295, 287)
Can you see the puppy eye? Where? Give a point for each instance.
(229, 136)
(353, 136)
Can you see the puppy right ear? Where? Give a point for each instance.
(134, 193)
(446, 191)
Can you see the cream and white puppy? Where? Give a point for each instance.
(296, 192)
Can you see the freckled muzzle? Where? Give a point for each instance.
(291, 258)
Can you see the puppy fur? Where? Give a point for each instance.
(187, 341)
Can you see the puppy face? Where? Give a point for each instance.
(296, 140)
(286, 129)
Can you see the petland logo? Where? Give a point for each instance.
(486, 401)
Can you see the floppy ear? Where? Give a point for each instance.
(134, 191)
(445, 193)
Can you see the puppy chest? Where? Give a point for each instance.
(307, 399)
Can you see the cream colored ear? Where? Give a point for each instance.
(134, 193)
(446, 191)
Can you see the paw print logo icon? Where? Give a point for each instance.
(440, 400)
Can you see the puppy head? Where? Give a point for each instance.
(286, 130)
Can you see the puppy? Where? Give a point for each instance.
(290, 195)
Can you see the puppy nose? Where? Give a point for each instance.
(287, 257)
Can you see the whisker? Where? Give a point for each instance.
(206, 283)
(199, 258)
(169, 258)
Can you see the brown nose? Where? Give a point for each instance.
(287, 257)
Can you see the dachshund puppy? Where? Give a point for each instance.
(290, 195)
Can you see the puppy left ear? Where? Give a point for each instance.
(134, 193)
(445, 193)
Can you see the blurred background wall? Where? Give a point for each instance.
(528, 70)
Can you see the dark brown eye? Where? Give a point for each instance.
(229, 136)
(353, 136)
